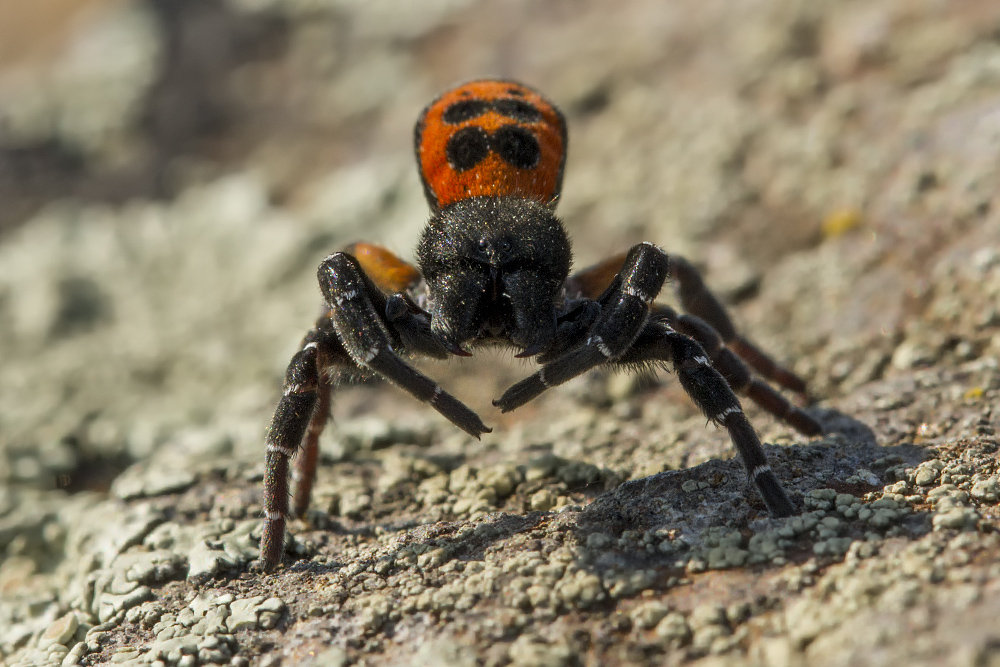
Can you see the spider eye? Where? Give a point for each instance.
(506, 245)
(482, 248)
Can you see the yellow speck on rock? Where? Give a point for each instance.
(973, 394)
(840, 221)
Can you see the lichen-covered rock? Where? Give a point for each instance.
(171, 181)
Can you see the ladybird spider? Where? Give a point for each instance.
(494, 269)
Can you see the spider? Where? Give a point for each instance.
(494, 269)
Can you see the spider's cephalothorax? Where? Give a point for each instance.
(494, 266)
(494, 269)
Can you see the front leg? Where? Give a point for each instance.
(624, 335)
(355, 337)
(625, 309)
(699, 301)
(357, 310)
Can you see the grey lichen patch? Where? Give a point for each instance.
(254, 612)
(226, 545)
(112, 604)
(581, 589)
(767, 546)
(203, 632)
(92, 589)
(833, 546)
(955, 490)
(835, 520)
(122, 49)
(891, 583)
(722, 548)
(820, 499)
(986, 490)
(61, 631)
(366, 434)
(115, 582)
(710, 626)
(954, 515)
(648, 614)
(479, 490)
(533, 651)
(137, 524)
(375, 611)
(927, 472)
(673, 629)
(443, 651)
(543, 500)
(151, 567)
(570, 472)
(141, 482)
(399, 468)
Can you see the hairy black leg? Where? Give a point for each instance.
(739, 377)
(367, 339)
(571, 328)
(625, 309)
(413, 326)
(698, 300)
(713, 395)
(288, 425)
(304, 473)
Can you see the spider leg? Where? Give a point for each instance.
(570, 330)
(357, 336)
(625, 309)
(735, 371)
(357, 311)
(699, 301)
(413, 326)
(710, 391)
(289, 424)
(304, 472)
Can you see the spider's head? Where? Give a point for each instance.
(494, 268)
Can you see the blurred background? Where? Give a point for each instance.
(172, 171)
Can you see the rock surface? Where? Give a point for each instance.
(830, 165)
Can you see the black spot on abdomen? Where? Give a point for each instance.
(467, 148)
(517, 146)
(519, 110)
(459, 112)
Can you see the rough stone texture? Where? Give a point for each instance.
(831, 165)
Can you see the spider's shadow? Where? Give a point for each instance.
(846, 447)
